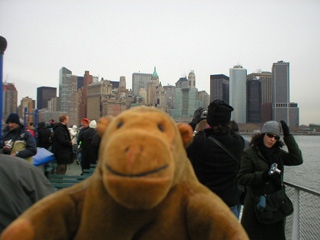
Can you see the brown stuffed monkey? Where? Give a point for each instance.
(143, 187)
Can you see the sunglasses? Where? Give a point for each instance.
(270, 135)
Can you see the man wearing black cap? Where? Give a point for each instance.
(214, 167)
(17, 141)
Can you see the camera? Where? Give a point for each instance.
(8, 144)
(274, 169)
(204, 114)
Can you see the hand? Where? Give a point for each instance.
(197, 115)
(276, 180)
(285, 128)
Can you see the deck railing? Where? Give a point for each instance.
(304, 223)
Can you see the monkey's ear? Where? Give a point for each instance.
(103, 124)
(186, 133)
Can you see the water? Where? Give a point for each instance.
(308, 174)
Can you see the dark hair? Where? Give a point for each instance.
(234, 126)
(41, 125)
(222, 129)
(257, 140)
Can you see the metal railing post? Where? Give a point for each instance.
(3, 46)
(296, 216)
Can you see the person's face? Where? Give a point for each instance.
(84, 124)
(12, 125)
(270, 139)
(66, 121)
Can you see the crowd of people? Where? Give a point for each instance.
(230, 166)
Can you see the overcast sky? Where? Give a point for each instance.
(117, 38)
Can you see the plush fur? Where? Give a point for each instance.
(143, 187)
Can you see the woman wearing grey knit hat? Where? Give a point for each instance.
(257, 172)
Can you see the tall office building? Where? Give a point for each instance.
(97, 92)
(265, 79)
(204, 99)
(140, 80)
(282, 109)
(68, 94)
(30, 104)
(238, 95)
(192, 79)
(219, 87)
(10, 99)
(266, 85)
(88, 79)
(253, 101)
(186, 100)
(122, 83)
(44, 94)
(170, 95)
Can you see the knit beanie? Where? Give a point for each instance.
(13, 118)
(93, 124)
(219, 112)
(85, 120)
(271, 127)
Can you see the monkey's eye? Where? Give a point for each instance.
(160, 127)
(120, 124)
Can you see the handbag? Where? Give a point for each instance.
(273, 207)
(19, 146)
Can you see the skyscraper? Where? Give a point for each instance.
(253, 101)
(281, 107)
(219, 87)
(30, 104)
(186, 100)
(44, 94)
(266, 93)
(10, 99)
(192, 79)
(140, 80)
(238, 94)
(88, 79)
(68, 94)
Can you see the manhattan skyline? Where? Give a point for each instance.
(117, 38)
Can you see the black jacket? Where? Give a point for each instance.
(21, 135)
(253, 165)
(44, 136)
(88, 151)
(62, 145)
(213, 166)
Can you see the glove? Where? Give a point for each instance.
(275, 178)
(197, 115)
(266, 176)
(285, 128)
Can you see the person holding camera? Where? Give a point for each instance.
(17, 141)
(261, 170)
(213, 166)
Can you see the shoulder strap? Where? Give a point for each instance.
(224, 149)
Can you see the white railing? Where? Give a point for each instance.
(304, 223)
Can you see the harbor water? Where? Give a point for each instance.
(308, 174)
